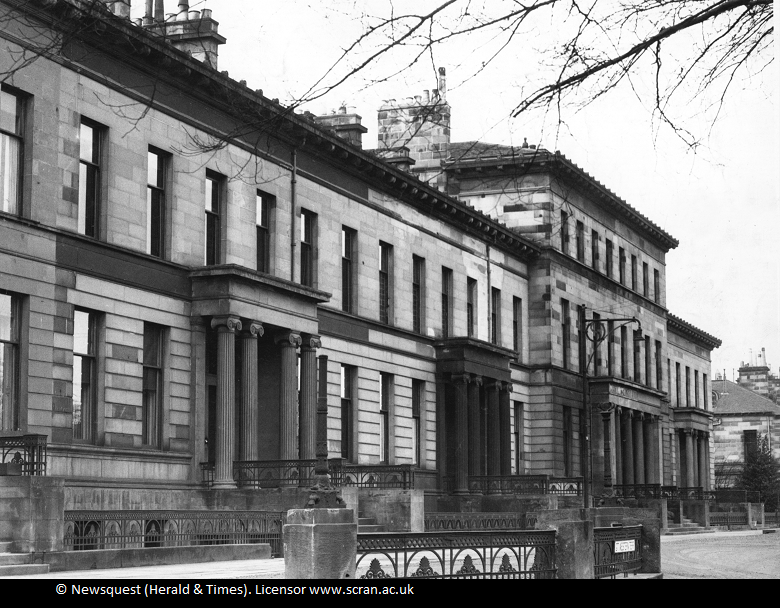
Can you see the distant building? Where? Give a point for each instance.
(756, 375)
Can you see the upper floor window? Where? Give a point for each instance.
(705, 390)
(84, 376)
(596, 354)
(348, 269)
(750, 440)
(659, 370)
(11, 125)
(565, 232)
(622, 265)
(265, 208)
(471, 307)
(580, 242)
(495, 316)
(418, 398)
(385, 282)
(447, 303)
(565, 332)
(633, 273)
(90, 136)
(687, 386)
(610, 253)
(9, 361)
(155, 203)
(517, 327)
(678, 385)
(656, 286)
(645, 280)
(214, 202)
(696, 388)
(385, 426)
(347, 400)
(594, 249)
(624, 352)
(418, 293)
(151, 415)
(308, 247)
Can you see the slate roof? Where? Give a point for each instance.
(739, 400)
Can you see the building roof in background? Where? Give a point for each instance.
(736, 399)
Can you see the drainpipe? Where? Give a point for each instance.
(293, 242)
(489, 306)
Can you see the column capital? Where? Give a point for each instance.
(506, 387)
(228, 322)
(493, 385)
(254, 329)
(606, 408)
(688, 432)
(310, 341)
(461, 378)
(288, 338)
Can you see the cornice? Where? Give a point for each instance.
(678, 326)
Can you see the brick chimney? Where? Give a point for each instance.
(344, 124)
(190, 31)
(120, 8)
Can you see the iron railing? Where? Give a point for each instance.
(520, 484)
(435, 522)
(772, 519)
(274, 473)
(565, 486)
(90, 530)
(649, 490)
(617, 551)
(733, 495)
(468, 555)
(734, 518)
(28, 452)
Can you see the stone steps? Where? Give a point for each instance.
(5, 547)
(368, 524)
(13, 559)
(18, 564)
(680, 531)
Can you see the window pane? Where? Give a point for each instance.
(82, 339)
(10, 115)
(152, 343)
(8, 380)
(155, 218)
(88, 144)
(10, 153)
(155, 170)
(8, 321)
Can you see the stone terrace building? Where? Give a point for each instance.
(163, 303)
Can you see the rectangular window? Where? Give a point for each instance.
(418, 399)
(214, 185)
(495, 316)
(348, 269)
(659, 370)
(9, 361)
(447, 302)
(687, 386)
(565, 232)
(645, 280)
(385, 282)
(580, 242)
(656, 286)
(308, 247)
(696, 388)
(596, 345)
(633, 273)
(418, 294)
(567, 441)
(565, 332)
(622, 265)
(610, 254)
(151, 414)
(518, 432)
(84, 376)
(648, 362)
(11, 151)
(385, 403)
(517, 327)
(347, 397)
(155, 203)
(624, 352)
(610, 340)
(678, 385)
(637, 356)
(594, 249)
(266, 204)
(705, 390)
(90, 136)
(582, 350)
(471, 307)
(669, 378)
(750, 439)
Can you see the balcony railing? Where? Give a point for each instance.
(23, 453)
(727, 520)
(617, 551)
(300, 473)
(653, 490)
(89, 530)
(465, 555)
(520, 484)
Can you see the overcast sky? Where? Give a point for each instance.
(722, 203)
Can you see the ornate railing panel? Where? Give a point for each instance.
(509, 484)
(733, 495)
(435, 522)
(401, 476)
(26, 451)
(771, 519)
(695, 493)
(565, 486)
(86, 530)
(729, 519)
(649, 490)
(512, 554)
(617, 551)
(274, 473)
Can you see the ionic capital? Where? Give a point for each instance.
(310, 342)
(288, 338)
(255, 330)
(461, 378)
(226, 323)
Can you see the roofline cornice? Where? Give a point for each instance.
(679, 326)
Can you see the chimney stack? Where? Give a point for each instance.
(120, 8)
(346, 125)
(443, 84)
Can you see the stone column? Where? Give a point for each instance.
(308, 422)
(606, 419)
(647, 429)
(227, 327)
(628, 449)
(707, 469)
(506, 427)
(618, 446)
(702, 461)
(475, 453)
(249, 403)
(494, 430)
(441, 431)
(461, 434)
(288, 395)
(690, 478)
(639, 450)
(696, 483)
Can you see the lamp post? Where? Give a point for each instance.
(599, 335)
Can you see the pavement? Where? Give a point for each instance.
(240, 569)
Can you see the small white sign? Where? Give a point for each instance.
(625, 546)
